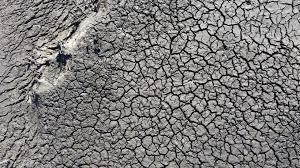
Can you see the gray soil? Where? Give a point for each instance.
(149, 83)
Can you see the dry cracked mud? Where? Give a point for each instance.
(149, 83)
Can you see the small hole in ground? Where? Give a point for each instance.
(35, 99)
(62, 58)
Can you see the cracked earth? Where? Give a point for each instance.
(140, 83)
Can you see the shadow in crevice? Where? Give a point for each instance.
(62, 59)
(35, 100)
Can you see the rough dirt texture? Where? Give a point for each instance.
(140, 83)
